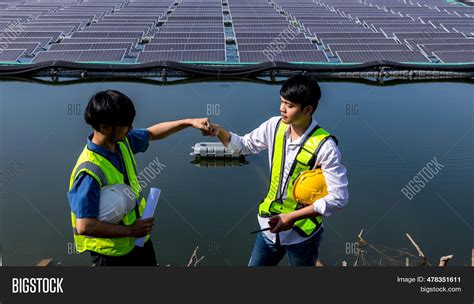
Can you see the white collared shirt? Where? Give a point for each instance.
(329, 158)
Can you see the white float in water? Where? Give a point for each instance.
(213, 149)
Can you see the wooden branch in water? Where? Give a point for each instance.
(45, 263)
(400, 251)
(444, 260)
(420, 253)
(357, 258)
(388, 258)
(194, 258)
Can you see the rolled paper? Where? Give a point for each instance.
(149, 211)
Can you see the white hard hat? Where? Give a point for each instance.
(115, 202)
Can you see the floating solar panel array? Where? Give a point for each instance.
(190, 31)
(233, 31)
(263, 33)
(89, 30)
(406, 26)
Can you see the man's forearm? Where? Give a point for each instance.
(95, 228)
(164, 129)
(224, 136)
(303, 213)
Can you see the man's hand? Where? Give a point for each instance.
(141, 227)
(202, 124)
(281, 222)
(214, 130)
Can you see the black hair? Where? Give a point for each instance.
(303, 90)
(109, 107)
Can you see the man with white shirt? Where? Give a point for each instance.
(295, 144)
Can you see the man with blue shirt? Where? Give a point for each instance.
(108, 159)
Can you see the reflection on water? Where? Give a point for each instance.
(213, 162)
(386, 136)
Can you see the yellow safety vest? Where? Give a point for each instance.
(106, 174)
(305, 160)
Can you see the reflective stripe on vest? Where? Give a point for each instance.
(304, 160)
(105, 173)
(90, 166)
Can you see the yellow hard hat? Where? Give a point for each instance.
(310, 186)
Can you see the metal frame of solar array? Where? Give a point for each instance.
(347, 31)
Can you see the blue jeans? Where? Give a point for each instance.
(267, 253)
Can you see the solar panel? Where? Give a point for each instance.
(75, 25)
(341, 23)
(128, 19)
(28, 47)
(243, 40)
(393, 31)
(43, 41)
(274, 46)
(211, 55)
(402, 36)
(107, 35)
(125, 24)
(258, 35)
(21, 18)
(318, 30)
(350, 35)
(67, 17)
(403, 25)
(415, 42)
(191, 23)
(99, 40)
(429, 48)
(286, 56)
(196, 18)
(367, 56)
(165, 40)
(195, 26)
(327, 41)
(62, 29)
(275, 31)
(11, 55)
(190, 35)
(3, 25)
(283, 24)
(53, 35)
(384, 19)
(152, 56)
(468, 30)
(116, 29)
(193, 29)
(186, 46)
(367, 47)
(466, 22)
(86, 55)
(90, 46)
(455, 57)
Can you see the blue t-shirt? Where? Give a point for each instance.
(84, 197)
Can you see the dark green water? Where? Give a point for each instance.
(389, 136)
